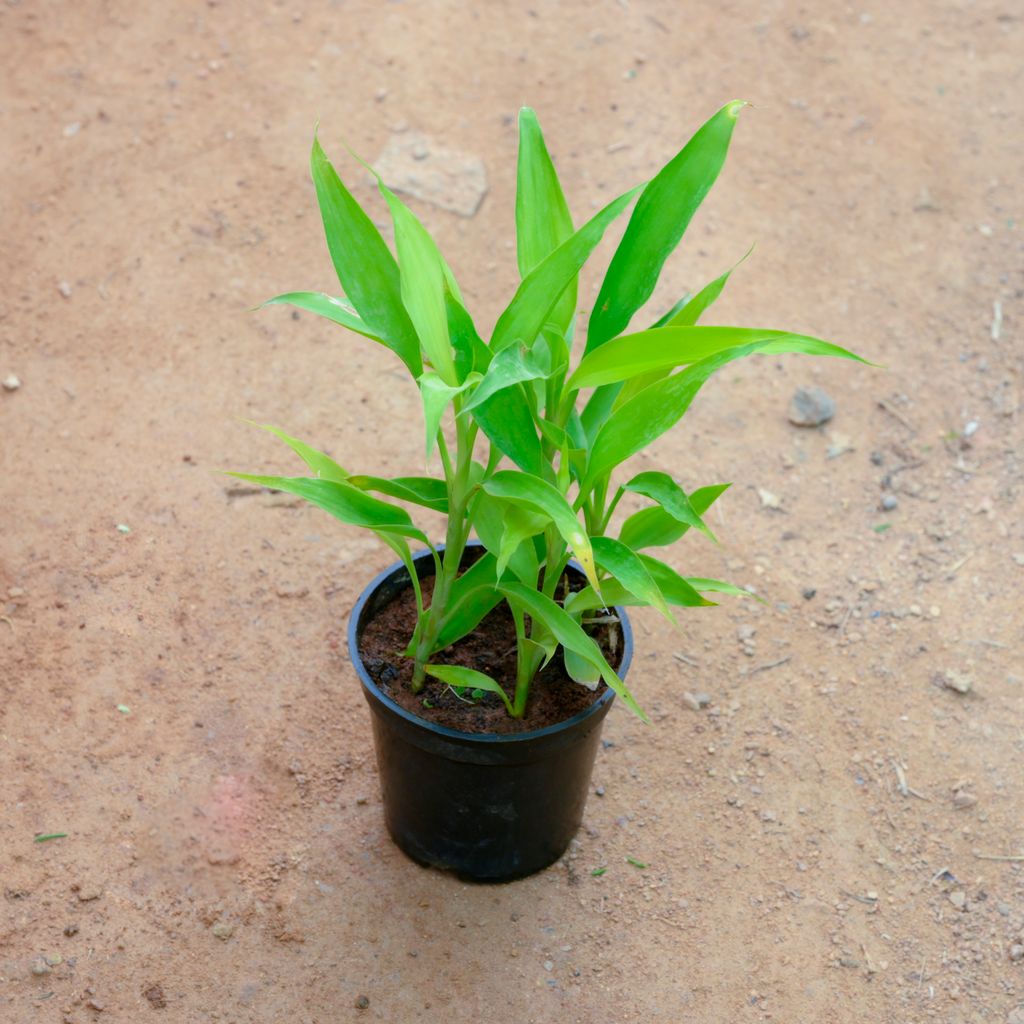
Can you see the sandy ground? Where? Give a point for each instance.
(823, 839)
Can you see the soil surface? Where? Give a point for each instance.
(491, 649)
(824, 821)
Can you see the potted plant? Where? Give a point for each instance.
(489, 665)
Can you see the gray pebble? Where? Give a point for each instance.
(889, 502)
(810, 407)
(1017, 952)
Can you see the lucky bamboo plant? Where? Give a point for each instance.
(565, 425)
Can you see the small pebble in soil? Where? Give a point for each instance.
(956, 681)
(11, 382)
(889, 502)
(599, 791)
(70, 929)
(696, 701)
(811, 407)
(809, 592)
(40, 967)
(65, 289)
(156, 997)
(363, 1003)
(958, 898)
(223, 930)
(1017, 952)
(88, 893)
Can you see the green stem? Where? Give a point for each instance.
(455, 544)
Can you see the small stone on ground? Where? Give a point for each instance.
(811, 407)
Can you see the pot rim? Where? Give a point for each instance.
(487, 739)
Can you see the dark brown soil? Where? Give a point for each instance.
(491, 649)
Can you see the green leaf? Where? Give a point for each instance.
(625, 565)
(520, 525)
(508, 421)
(634, 425)
(654, 527)
(695, 308)
(421, 490)
(540, 496)
(425, 278)
(456, 675)
(665, 348)
(543, 221)
(685, 313)
(327, 306)
(489, 518)
(719, 587)
(569, 634)
(436, 395)
(343, 501)
(45, 837)
(471, 354)
(472, 595)
(364, 264)
(510, 366)
(580, 670)
(539, 291)
(323, 465)
(678, 590)
(662, 214)
(660, 487)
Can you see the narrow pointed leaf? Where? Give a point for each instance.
(695, 308)
(660, 487)
(704, 585)
(456, 675)
(665, 348)
(625, 565)
(538, 292)
(472, 596)
(662, 214)
(543, 221)
(323, 465)
(366, 269)
(677, 589)
(344, 502)
(421, 490)
(654, 527)
(489, 517)
(570, 635)
(327, 306)
(658, 408)
(509, 367)
(685, 313)
(520, 526)
(581, 671)
(470, 353)
(508, 421)
(538, 495)
(424, 281)
(436, 395)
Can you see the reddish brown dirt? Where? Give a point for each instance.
(490, 648)
(820, 839)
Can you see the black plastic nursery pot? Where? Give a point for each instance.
(488, 807)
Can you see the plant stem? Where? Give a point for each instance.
(455, 543)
